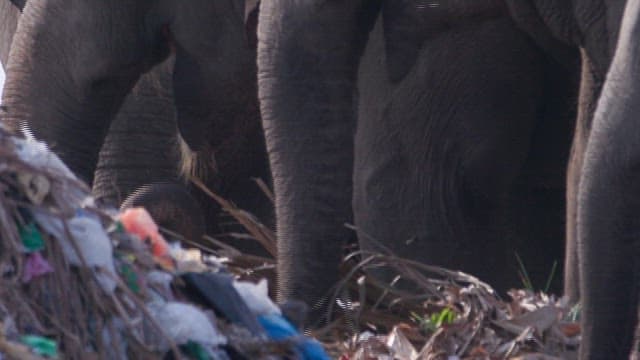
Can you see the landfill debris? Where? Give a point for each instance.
(442, 314)
(256, 296)
(80, 281)
(35, 266)
(400, 345)
(279, 328)
(41, 345)
(137, 221)
(185, 323)
(31, 238)
(218, 292)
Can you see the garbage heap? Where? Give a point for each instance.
(81, 282)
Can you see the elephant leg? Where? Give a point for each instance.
(590, 88)
(609, 200)
(435, 163)
(571, 273)
(9, 15)
(307, 103)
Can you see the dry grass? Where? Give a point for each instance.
(428, 312)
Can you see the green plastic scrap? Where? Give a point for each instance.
(41, 345)
(574, 313)
(117, 226)
(31, 238)
(195, 351)
(130, 278)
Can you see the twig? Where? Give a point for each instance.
(263, 235)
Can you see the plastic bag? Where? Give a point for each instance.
(183, 323)
(91, 239)
(256, 296)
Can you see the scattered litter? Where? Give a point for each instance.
(278, 328)
(41, 345)
(35, 186)
(137, 221)
(218, 292)
(80, 281)
(184, 323)
(35, 266)
(256, 296)
(31, 238)
(399, 345)
(445, 315)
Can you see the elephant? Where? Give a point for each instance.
(608, 201)
(599, 203)
(9, 14)
(591, 25)
(142, 145)
(129, 154)
(601, 267)
(425, 124)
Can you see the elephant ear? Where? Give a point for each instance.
(19, 3)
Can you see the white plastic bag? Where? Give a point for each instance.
(91, 239)
(183, 323)
(256, 296)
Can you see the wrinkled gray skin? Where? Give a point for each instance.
(72, 100)
(462, 132)
(142, 144)
(608, 223)
(600, 221)
(9, 15)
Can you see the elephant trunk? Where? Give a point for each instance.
(607, 214)
(9, 15)
(309, 125)
(142, 144)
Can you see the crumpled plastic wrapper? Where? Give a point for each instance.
(91, 239)
(256, 296)
(183, 323)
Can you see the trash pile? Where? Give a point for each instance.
(81, 282)
(428, 312)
